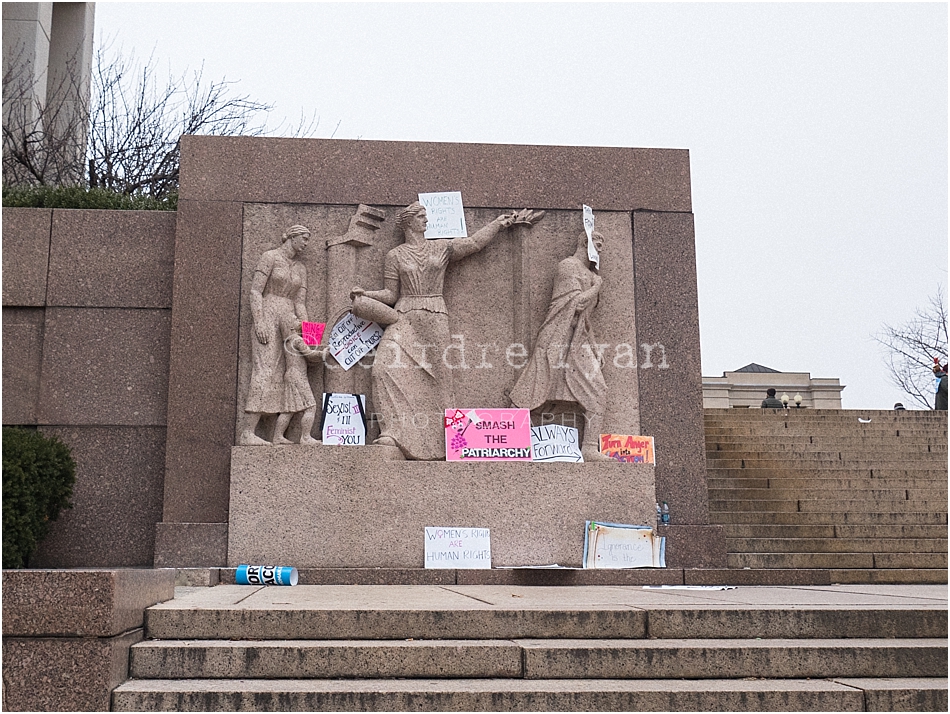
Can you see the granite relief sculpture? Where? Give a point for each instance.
(412, 384)
(278, 382)
(565, 365)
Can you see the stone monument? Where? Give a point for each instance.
(514, 315)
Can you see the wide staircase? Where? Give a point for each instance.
(862, 494)
(486, 648)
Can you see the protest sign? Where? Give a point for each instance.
(628, 449)
(487, 435)
(445, 213)
(617, 545)
(592, 253)
(554, 442)
(312, 332)
(343, 420)
(467, 548)
(352, 338)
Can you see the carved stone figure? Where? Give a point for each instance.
(412, 384)
(278, 303)
(565, 365)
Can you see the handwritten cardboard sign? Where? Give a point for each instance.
(468, 548)
(553, 442)
(343, 420)
(487, 435)
(616, 545)
(312, 332)
(592, 253)
(445, 213)
(627, 448)
(352, 338)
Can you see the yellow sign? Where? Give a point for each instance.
(628, 449)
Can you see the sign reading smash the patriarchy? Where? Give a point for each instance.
(628, 449)
(352, 338)
(458, 548)
(487, 435)
(445, 213)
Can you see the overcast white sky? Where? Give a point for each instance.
(817, 132)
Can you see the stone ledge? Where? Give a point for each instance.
(80, 603)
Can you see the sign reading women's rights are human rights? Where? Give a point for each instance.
(487, 435)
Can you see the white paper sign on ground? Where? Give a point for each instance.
(617, 545)
(352, 338)
(592, 253)
(468, 548)
(553, 442)
(343, 420)
(445, 213)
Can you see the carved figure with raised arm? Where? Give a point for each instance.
(412, 384)
(278, 302)
(564, 365)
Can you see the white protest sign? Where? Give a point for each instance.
(445, 213)
(554, 442)
(615, 545)
(592, 253)
(468, 548)
(352, 338)
(343, 420)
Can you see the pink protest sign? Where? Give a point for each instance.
(312, 332)
(487, 435)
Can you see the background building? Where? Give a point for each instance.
(746, 388)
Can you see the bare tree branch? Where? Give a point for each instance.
(910, 350)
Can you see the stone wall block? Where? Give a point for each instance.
(671, 393)
(26, 240)
(104, 366)
(22, 355)
(203, 365)
(112, 258)
(117, 499)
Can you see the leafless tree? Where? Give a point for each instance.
(910, 350)
(135, 121)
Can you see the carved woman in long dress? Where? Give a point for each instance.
(412, 384)
(565, 365)
(278, 301)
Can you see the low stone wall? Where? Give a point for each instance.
(67, 634)
(86, 325)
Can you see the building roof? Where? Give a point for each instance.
(753, 367)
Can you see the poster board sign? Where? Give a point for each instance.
(462, 548)
(617, 546)
(352, 338)
(592, 255)
(627, 448)
(312, 332)
(445, 213)
(343, 420)
(487, 435)
(553, 442)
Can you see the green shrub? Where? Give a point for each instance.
(81, 197)
(38, 478)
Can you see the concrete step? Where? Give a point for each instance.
(833, 531)
(848, 694)
(826, 506)
(789, 544)
(539, 659)
(837, 484)
(880, 576)
(515, 613)
(927, 474)
(778, 463)
(836, 561)
(829, 453)
(747, 493)
(859, 518)
(786, 436)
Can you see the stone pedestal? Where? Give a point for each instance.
(67, 634)
(347, 507)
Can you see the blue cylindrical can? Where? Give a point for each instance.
(265, 575)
